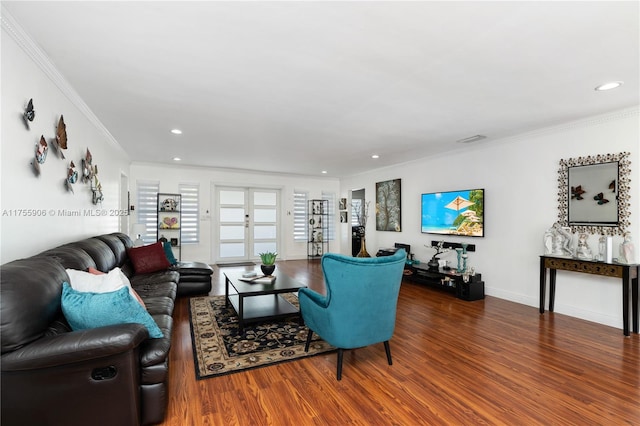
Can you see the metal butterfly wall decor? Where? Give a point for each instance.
(96, 189)
(60, 142)
(72, 176)
(40, 155)
(29, 113)
(88, 171)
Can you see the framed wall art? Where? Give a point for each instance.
(388, 207)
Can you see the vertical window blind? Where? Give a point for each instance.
(148, 208)
(300, 216)
(189, 212)
(356, 211)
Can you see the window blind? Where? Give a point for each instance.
(148, 208)
(300, 216)
(189, 212)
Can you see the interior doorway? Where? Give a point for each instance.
(124, 204)
(357, 210)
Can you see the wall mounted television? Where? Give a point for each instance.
(453, 213)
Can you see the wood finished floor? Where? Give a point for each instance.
(454, 363)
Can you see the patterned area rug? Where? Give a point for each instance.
(219, 348)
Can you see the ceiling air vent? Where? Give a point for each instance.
(472, 139)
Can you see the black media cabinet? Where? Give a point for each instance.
(448, 280)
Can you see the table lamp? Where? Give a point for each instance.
(138, 229)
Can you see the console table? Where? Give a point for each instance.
(627, 273)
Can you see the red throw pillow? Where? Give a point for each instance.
(148, 259)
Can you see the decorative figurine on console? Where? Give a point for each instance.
(439, 248)
(557, 241)
(627, 250)
(583, 251)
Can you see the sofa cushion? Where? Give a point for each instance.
(157, 289)
(126, 240)
(30, 299)
(159, 305)
(147, 259)
(100, 252)
(84, 310)
(117, 247)
(154, 277)
(71, 257)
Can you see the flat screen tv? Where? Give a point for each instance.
(453, 213)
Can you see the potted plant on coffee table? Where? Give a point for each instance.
(268, 262)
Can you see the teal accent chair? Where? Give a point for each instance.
(359, 308)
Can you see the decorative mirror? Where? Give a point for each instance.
(593, 193)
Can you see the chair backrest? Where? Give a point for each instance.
(362, 295)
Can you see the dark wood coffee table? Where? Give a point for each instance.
(260, 302)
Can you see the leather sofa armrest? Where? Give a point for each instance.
(75, 347)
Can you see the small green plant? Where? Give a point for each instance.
(268, 258)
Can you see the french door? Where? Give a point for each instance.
(248, 223)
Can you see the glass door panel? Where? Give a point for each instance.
(248, 223)
(232, 233)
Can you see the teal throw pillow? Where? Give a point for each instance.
(169, 253)
(84, 310)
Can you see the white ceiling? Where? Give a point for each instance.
(301, 87)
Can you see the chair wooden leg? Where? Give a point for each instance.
(340, 353)
(387, 349)
(309, 336)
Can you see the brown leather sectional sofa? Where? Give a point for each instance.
(110, 375)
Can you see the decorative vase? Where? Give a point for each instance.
(433, 264)
(459, 252)
(363, 249)
(268, 269)
(465, 256)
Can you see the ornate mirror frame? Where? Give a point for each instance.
(622, 193)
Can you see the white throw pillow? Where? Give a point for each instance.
(100, 282)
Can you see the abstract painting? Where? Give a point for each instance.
(388, 211)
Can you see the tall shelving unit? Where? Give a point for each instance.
(170, 221)
(318, 228)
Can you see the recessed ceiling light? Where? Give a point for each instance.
(375, 156)
(472, 139)
(177, 159)
(610, 85)
(324, 172)
(176, 131)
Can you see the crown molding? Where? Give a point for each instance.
(40, 58)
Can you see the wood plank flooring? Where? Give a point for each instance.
(488, 362)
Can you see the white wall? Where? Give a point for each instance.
(207, 179)
(26, 74)
(519, 176)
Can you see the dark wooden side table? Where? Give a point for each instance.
(627, 273)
